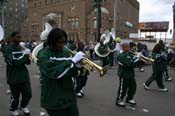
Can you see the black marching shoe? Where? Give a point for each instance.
(25, 111)
(131, 102)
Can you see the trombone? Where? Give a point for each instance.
(88, 64)
(32, 58)
(143, 58)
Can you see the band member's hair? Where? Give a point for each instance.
(132, 44)
(55, 35)
(13, 34)
(161, 44)
(157, 48)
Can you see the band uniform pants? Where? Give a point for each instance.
(25, 90)
(111, 59)
(126, 86)
(81, 82)
(70, 111)
(158, 77)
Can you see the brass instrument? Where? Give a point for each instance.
(108, 36)
(88, 64)
(31, 57)
(143, 58)
(97, 51)
(97, 46)
(146, 59)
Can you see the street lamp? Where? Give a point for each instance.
(97, 4)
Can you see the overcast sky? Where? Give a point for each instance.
(156, 10)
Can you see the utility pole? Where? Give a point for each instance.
(97, 4)
(115, 15)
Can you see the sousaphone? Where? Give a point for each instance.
(43, 38)
(110, 35)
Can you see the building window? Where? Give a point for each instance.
(76, 36)
(73, 24)
(35, 27)
(95, 23)
(76, 23)
(35, 4)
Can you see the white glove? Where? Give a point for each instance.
(139, 55)
(27, 51)
(163, 54)
(78, 56)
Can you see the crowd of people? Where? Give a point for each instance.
(63, 77)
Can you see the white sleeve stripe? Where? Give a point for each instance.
(60, 59)
(18, 52)
(66, 70)
(19, 58)
(136, 60)
(120, 63)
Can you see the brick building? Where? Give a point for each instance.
(15, 12)
(79, 19)
(174, 22)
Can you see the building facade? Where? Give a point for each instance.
(79, 18)
(15, 12)
(174, 22)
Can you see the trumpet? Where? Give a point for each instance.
(88, 64)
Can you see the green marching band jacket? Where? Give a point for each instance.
(127, 63)
(57, 70)
(159, 64)
(111, 45)
(16, 61)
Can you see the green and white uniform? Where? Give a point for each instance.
(57, 88)
(17, 76)
(126, 76)
(159, 67)
(112, 46)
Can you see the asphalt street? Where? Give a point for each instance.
(100, 95)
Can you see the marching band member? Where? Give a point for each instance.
(127, 82)
(158, 69)
(103, 50)
(163, 49)
(81, 79)
(57, 69)
(111, 44)
(17, 75)
(117, 48)
(140, 51)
